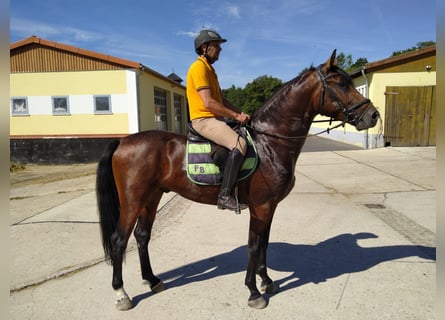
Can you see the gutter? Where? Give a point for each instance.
(367, 96)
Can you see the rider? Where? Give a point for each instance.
(208, 108)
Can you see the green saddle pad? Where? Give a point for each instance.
(201, 168)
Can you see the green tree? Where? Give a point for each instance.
(360, 62)
(344, 61)
(254, 94)
(236, 95)
(258, 91)
(347, 63)
(420, 45)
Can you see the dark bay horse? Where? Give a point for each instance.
(134, 173)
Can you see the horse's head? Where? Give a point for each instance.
(339, 99)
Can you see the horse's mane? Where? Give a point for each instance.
(280, 92)
(286, 87)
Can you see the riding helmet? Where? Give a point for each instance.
(207, 35)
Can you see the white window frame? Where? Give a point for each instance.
(177, 102)
(362, 90)
(23, 110)
(96, 107)
(161, 113)
(57, 110)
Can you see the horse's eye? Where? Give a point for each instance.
(342, 82)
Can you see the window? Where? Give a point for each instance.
(102, 104)
(178, 113)
(160, 110)
(60, 105)
(362, 90)
(19, 106)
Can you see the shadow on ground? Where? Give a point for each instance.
(305, 263)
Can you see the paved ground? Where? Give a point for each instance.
(355, 239)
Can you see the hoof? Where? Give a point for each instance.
(271, 288)
(123, 304)
(158, 288)
(258, 303)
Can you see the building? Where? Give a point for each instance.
(403, 88)
(67, 103)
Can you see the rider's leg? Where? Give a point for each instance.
(226, 200)
(219, 132)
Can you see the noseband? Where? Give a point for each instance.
(348, 111)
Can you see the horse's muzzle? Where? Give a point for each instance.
(368, 119)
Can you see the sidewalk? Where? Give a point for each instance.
(354, 240)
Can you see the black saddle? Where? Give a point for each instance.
(193, 135)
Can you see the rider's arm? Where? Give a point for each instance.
(222, 110)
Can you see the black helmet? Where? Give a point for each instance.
(206, 36)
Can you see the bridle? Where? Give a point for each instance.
(349, 115)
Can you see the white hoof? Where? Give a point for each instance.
(123, 302)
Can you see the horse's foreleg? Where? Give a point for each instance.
(257, 248)
(142, 234)
(267, 284)
(256, 300)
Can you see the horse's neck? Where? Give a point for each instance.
(289, 113)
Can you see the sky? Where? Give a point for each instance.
(277, 38)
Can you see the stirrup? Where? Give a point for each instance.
(237, 207)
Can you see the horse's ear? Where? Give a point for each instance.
(332, 61)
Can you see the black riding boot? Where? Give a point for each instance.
(225, 198)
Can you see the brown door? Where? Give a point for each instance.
(410, 116)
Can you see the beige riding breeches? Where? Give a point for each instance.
(219, 132)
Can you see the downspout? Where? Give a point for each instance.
(138, 98)
(367, 96)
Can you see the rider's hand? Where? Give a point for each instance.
(243, 117)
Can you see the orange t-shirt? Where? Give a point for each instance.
(201, 75)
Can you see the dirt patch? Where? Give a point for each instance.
(39, 174)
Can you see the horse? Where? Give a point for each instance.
(135, 171)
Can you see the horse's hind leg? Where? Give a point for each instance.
(123, 301)
(142, 234)
(127, 220)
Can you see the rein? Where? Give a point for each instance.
(346, 111)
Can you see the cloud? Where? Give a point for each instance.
(190, 34)
(233, 10)
(26, 28)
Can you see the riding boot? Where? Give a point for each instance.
(225, 198)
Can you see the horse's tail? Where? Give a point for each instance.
(107, 198)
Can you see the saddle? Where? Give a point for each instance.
(205, 160)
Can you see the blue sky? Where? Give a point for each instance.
(278, 38)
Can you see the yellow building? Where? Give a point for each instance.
(67, 103)
(403, 88)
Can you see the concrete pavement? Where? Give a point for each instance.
(355, 239)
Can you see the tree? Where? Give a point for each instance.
(259, 90)
(346, 63)
(420, 45)
(235, 95)
(255, 93)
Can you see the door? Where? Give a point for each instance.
(410, 116)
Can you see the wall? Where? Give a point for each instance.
(57, 150)
(147, 85)
(80, 87)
